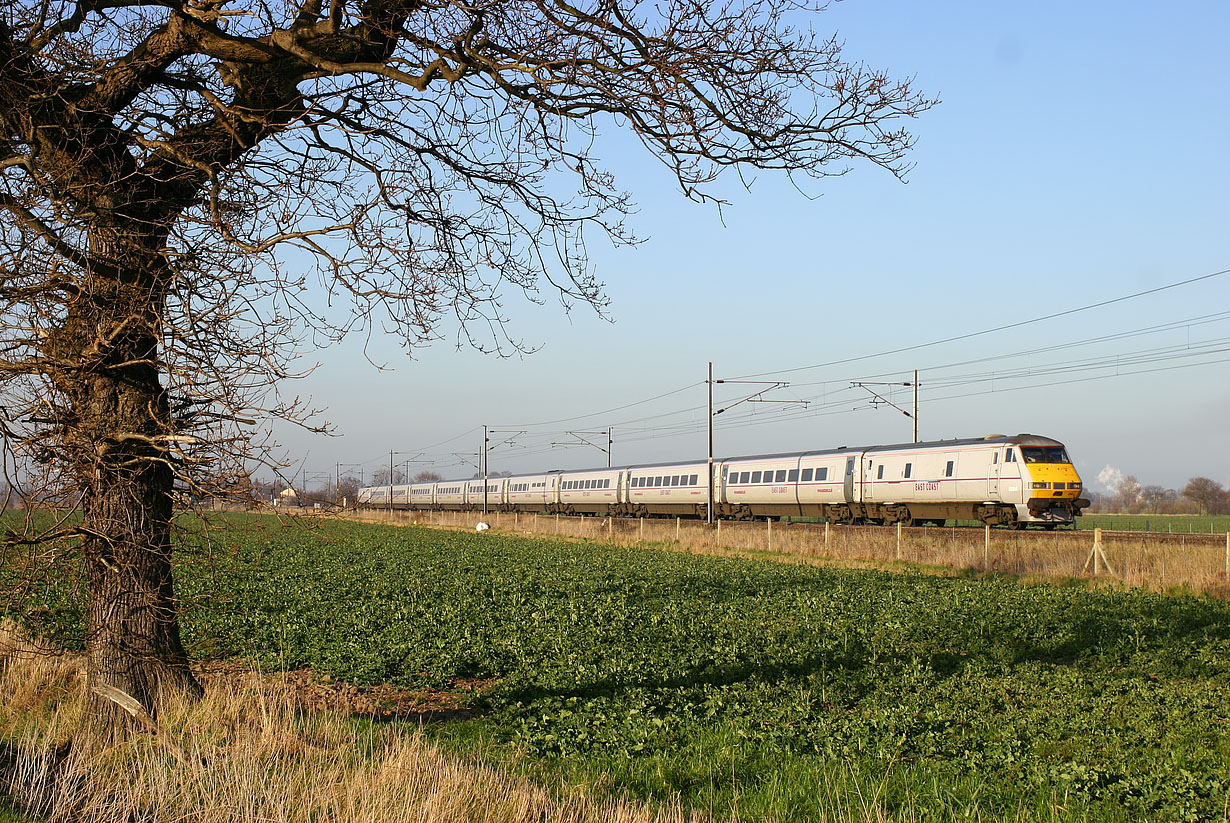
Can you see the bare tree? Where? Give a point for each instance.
(427, 477)
(1208, 494)
(347, 489)
(187, 184)
(1127, 493)
(380, 477)
(1152, 497)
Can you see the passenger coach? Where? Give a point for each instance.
(1015, 480)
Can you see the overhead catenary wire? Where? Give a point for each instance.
(831, 401)
(1004, 327)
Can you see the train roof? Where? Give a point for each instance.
(1004, 439)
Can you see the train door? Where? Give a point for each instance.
(993, 473)
(849, 479)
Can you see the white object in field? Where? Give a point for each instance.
(481, 527)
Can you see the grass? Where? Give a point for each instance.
(247, 752)
(10, 815)
(1168, 523)
(722, 687)
(764, 690)
(1165, 562)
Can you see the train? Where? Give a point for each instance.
(1001, 480)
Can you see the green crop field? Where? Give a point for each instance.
(745, 688)
(1177, 523)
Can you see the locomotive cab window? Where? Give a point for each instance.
(1044, 454)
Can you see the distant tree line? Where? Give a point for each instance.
(1201, 495)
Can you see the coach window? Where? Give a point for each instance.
(908, 467)
(806, 478)
(781, 476)
(948, 470)
(768, 477)
(755, 477)
(692, 481)
(675, 480)
(793, 477)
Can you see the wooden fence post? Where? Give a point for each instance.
(986, 550)
(826, 537)
(898, 540)
(678, 523)
(640, 529)
(769, 522)
(1096, 554)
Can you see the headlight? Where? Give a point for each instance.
(1039, 485)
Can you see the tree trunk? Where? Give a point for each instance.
(118, 434)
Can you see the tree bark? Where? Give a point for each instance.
(119, 431)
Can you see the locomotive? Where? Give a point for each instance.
(1006, 480)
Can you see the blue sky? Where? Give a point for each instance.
(1079, 155)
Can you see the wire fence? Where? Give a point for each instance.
(1196, 562)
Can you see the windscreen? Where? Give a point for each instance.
(1044, 454)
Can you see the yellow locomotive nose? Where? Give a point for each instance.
(1054, 480)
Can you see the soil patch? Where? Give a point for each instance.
(384, 702)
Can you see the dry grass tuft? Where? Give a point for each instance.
(247, 753)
